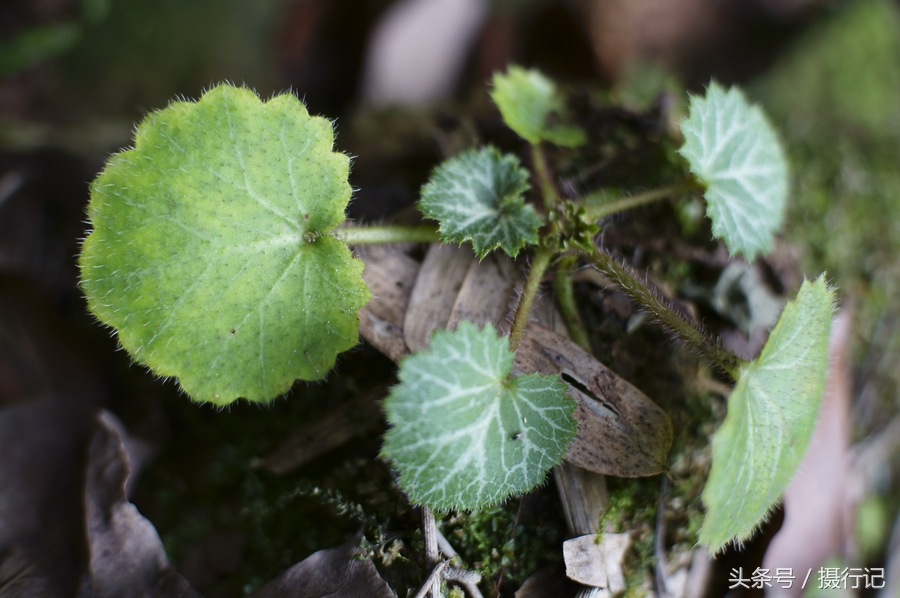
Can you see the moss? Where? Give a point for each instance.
(835, 98)
(203, 487)
(843, 74)
(513, 538)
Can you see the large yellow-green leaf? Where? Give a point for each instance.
(771, 414)
(210, 254)
(465, 435)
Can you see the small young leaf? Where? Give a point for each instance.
(771, 414)
(733, 149)
(526, 99)
(477, 196)
(465, 435)
(209, 252)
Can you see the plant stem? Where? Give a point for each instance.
(425, 233)
(565, 298)
(541, 260)
(545, 182)
(652, 301)
(598, 211)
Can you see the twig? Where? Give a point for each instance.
(445, 546)
(434, 580)
(469, 580)
(429, 530)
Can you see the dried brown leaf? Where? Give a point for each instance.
(620, 431)
(335, 573)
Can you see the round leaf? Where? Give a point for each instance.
(464, 434)
(209, 252)
(477, 196)
(733, 149)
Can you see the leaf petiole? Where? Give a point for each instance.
(368, 235)
(542, 258)
(565, 298)
(652, 301)
(545, 182)
(595, 212)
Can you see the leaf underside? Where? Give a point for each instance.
(771, 414)
(734, 150)
(464, 434)
(477, 196)
(209, 252)
(527, 99)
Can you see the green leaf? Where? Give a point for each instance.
(771, 414)
(210, 253)
(527, 99)
(465, 435)
(477, 196)
(733, 149)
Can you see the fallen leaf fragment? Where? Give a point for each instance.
(620, 431)
(597, 565)
(335, 573)
(549, 582)
(126, 555)
(390, 275)
(434, 293)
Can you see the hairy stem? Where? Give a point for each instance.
(359, 235)
(532, 284)
(651, 300)
(565, 298)
(545, 182)
(597, 211)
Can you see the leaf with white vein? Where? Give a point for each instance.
(477, 196)
(465, 435)
(210, 253)
(733, 149)
(771, 414)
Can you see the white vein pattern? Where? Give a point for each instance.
(771, 414)
(733, 149)
(477, 196)
(464, 435)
